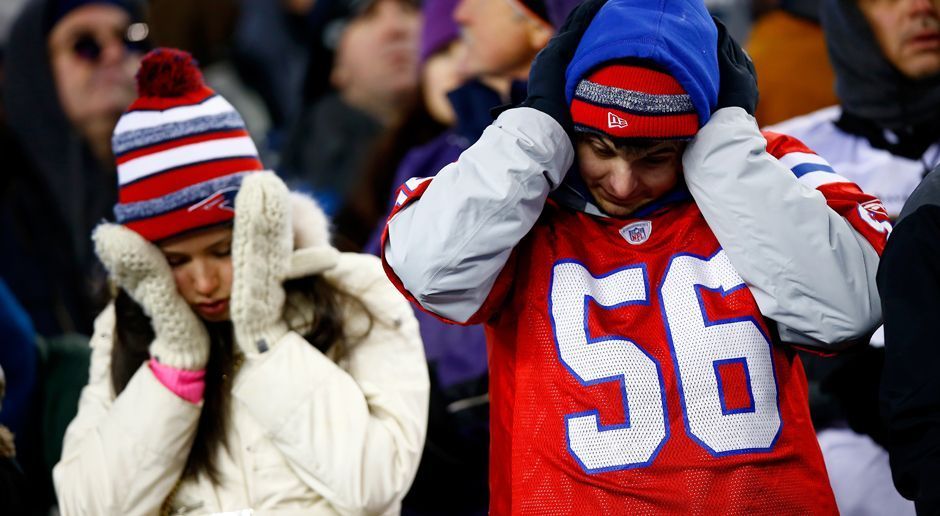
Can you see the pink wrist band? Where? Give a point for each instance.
(188, 385)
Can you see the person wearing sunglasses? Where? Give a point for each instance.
(70, 68)
(69, 73)
(94, 51)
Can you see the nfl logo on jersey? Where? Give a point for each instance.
(637, 232)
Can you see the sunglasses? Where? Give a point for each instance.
(88, 47)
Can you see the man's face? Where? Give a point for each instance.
(377, 53)
(908, 32)
(501, 40)
(624, 179)
(92, 66)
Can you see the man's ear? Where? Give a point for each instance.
(339, 75)
(539, 34)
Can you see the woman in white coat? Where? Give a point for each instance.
(245, 364)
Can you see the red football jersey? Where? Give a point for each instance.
(635, 375)
(631, 371)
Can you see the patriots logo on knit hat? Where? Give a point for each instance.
(633, 100)
(181, 151)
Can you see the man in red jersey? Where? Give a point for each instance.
(641, 308)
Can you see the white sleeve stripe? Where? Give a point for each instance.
(415, 182)
(795, 159)
(817, 179)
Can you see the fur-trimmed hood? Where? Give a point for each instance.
(313, 253)
(359, 275)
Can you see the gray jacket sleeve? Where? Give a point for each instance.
(806, 266)
(448, 247)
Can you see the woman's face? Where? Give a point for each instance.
(202, 267)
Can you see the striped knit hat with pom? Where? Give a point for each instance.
(181, 151)
(633, 101)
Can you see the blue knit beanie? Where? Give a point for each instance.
(678, 36)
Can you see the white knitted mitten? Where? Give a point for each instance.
(139, 267)
(261, 254)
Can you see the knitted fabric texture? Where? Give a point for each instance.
(678, 36)
(262, 242)
(140, 268)
(181, 151)
(625, 101)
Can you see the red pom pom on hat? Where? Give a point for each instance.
(169, 77)
(168, 72)
(180, 149)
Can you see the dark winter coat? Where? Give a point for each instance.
(909, 283)
(53, 192)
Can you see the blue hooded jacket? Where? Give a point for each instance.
(678, 35)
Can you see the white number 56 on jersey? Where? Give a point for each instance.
(698, 346)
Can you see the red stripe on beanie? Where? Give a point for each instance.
(158, 185)
(620, 124)
(180, 221)
(637, 78)
(167, 79)
(179, 142)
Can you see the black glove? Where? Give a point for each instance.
(546, 87)
(738, 80)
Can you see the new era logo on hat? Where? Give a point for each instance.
(632, 100)
(181, 151)
(615, 121)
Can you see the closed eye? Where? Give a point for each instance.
(175, 260)
(603, 151)
(658, 159)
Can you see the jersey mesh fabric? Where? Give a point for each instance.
(533, 471)
(774, 466)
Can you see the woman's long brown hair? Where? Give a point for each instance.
(133, 335)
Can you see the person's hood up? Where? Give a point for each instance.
(677, 35)
(867, 85)
(34, 115)
(926, 193)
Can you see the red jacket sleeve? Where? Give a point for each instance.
(864, 212)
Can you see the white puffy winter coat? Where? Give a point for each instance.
(307, 435)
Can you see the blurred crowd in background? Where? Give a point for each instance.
(346, 100)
